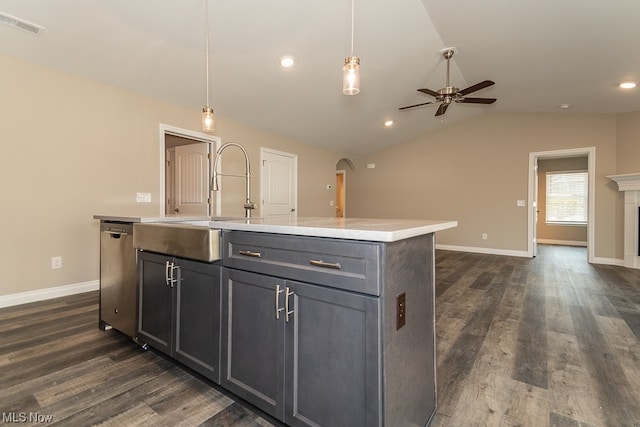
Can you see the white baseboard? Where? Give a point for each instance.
(561, 242)
(48, 293)
(490, 251)
(608, 261)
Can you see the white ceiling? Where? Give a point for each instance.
(540, 53)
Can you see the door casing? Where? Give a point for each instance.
(198, 137)
(590, 152)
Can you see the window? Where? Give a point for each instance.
(567, 198)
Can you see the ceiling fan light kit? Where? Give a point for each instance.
(448, 94)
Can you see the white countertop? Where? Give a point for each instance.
(369, 229)
(144, 219)
(376, 230)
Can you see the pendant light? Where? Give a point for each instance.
(207, 112)
(351, 69)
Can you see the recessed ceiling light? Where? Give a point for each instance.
(564, 106)
(628, 85)
(287, 61)
(388, 123)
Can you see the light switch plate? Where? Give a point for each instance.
(143, 197)
(521, 203)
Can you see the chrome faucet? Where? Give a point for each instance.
(248, 204)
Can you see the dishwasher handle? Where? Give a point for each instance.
(116, 235)
(116, 230)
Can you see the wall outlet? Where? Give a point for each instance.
(521, 203)
(143, 197)
(371, 165)
(56, 262)
(401, 310)
(484, 236)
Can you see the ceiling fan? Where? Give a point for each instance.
(449, 94)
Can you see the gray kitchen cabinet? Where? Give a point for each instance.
(179, 310)
(305, 354)
(312, 332)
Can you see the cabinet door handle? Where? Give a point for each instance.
(251, 254)
(320, 263)
(169, 269)
(286, 305)
(166, 273)
(278, 309)
(174, 278)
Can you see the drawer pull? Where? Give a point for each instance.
(251, 254)
(334, 265)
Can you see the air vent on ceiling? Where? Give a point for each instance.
(21, 24)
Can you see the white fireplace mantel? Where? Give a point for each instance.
(630, 184)
(627, 182)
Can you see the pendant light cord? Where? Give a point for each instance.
(206, 31)
(353, 2)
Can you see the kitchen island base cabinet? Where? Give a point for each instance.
(307, 355)
(179, 310)
(343, 358)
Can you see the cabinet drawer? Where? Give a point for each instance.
(342, 264)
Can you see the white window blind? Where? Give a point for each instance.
(567, 196)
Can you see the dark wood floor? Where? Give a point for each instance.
(551, 341)
(55, 362)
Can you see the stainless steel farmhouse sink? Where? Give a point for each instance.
(198, 242)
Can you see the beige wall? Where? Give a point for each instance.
(475, 172)
(555, 232)
(628, 156)
(73, 148)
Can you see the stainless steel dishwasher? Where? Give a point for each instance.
(118, 295)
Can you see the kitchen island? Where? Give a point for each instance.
(319, 321)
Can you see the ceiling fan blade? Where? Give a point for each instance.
(477, 100)
(442, 109)
(416, 105)
(429, 92)
(476, 87)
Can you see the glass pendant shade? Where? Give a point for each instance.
(351, 76)
(207, 119)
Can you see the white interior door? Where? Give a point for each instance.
(191, 185)
(279, 178)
